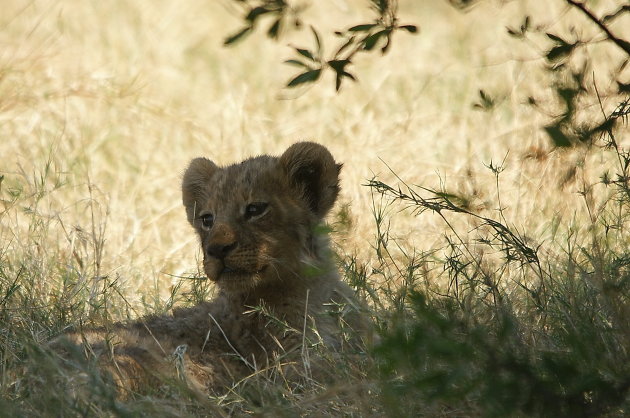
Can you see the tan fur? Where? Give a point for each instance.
(265, 250)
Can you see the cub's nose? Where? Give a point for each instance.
(220, 251)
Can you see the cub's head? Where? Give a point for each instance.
(256, 219)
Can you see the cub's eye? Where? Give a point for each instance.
(255, 209)
(207, 220)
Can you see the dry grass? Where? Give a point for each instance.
(102, 104)
(119, 97)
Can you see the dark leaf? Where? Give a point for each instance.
(513, 32)
(362, 28)
(486, 102)
(370, 41)
(317, 41)
(410, 28)
(306, 53)
(307, 77)
(340, 77)
(557, 136)
(345, 46)
(237, 36)
(255, 13)
(349, 75)
(525, 25)
(296, 63)
(274, 29)
(625, 45)
(623, 87)
(338, 65)
(561, 51)
(556, 38)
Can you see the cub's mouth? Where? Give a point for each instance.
(217, 270)
(232, 271)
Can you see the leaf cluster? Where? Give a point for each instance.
(364, 37)
(571, 71)
(279, 11)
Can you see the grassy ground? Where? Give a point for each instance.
(102, 104)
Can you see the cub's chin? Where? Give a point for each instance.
(235, 280)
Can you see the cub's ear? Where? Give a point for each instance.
(313, 174)
(196, 178)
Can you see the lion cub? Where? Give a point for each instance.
(259, 225)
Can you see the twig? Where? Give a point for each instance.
(619, 42)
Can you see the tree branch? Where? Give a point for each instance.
(625, 45)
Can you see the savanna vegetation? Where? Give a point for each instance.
(483, 215)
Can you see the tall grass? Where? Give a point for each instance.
(495, 266)
(511, 330)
